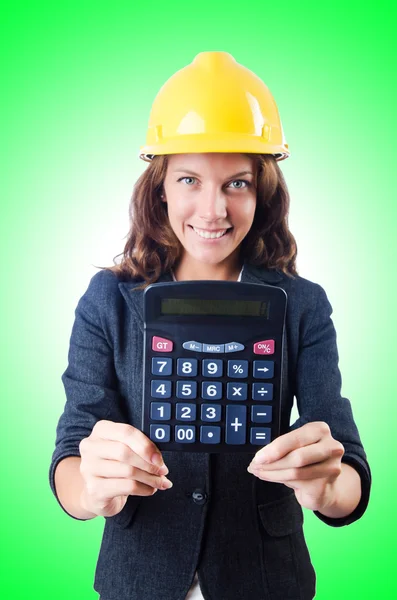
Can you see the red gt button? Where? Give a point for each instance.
(160, 344)
(264, 347)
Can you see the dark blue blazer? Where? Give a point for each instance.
(244, 535)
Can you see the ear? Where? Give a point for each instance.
(163, 199)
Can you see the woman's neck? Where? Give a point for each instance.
(184, 274)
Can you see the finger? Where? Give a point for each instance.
(132, 437)
(118, 451)
(107, 489)
(116, 470)
(310, 433)
(301, 457)
(324, 469)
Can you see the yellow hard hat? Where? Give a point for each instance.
(214, 104)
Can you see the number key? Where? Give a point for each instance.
(161, 389)
(211, 390)
(186, 367)
(186, 412)
(161, 366)
(160, 411)
(210, 412)
(185, 433)
(160, 433)
(212, 368)
(186, 389)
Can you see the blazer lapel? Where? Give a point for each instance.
(252, 274)
(134, 298)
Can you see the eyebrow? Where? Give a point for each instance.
(197, 175)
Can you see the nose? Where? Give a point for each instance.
(212, 205)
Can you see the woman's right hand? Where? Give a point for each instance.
(117, 461)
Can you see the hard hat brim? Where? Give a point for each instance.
(191, 144)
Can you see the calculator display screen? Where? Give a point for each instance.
(213, 306)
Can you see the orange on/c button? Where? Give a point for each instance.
(160, 344)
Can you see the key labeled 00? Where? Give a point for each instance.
(185, 434)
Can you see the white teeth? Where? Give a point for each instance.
(208, 234)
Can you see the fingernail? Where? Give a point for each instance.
(163, 470)
(167, 484)
(157, 460)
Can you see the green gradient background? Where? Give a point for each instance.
(78, 82)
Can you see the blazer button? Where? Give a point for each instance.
(199, 496)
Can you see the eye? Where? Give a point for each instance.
(186, 178)
(247, 183)
(243, 181)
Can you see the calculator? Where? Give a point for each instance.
(212, 368)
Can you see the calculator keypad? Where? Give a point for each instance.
(197, 401)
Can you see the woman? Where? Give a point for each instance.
(212, 204)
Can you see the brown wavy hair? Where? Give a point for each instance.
(152, 248)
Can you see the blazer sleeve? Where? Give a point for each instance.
(89, 380)
(318, 395)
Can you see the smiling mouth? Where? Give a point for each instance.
(211, 234)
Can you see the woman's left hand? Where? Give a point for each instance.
(307, 459)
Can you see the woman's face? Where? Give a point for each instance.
(210, 194)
